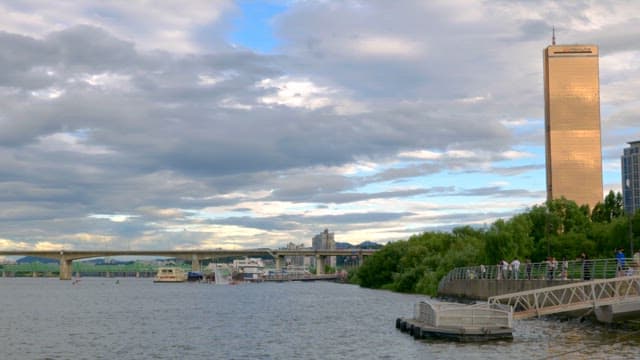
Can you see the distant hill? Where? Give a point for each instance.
(363, 245)
(34, 259)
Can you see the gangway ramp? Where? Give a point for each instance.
(571, 297)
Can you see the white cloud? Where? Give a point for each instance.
(421, 154)
(295, 93)
(107, 80)
(513, 155)
(48, 94)
(385, 46)
(167, 25)
(475, 99)
(72, 142)
(118, 218)
(304, 93)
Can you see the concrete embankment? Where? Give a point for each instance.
(482, 289)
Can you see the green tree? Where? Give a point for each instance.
(379, 268)
(611, 208)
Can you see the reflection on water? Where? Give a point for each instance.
(101, 318)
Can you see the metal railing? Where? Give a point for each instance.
(563, 270)
(453, 315)
(570, 297)
(82, 268)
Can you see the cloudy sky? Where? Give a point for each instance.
(243, 124)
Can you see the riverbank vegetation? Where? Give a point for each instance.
(558, 228)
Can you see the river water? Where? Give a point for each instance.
(127, 318)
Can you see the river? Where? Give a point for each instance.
(127, 318)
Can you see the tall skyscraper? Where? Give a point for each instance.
(572, 123)
(631, 177)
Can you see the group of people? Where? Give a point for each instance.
(552, 268)
(511, 270)
(623, 269)
(556, 270)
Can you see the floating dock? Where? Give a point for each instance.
(459, 322)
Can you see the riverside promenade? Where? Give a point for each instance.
(482, 282)
(606, 288)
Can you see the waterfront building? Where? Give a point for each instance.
(325, 241)
(251, 268)
(572, 123)
(631, 177)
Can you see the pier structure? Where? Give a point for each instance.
(600, 287)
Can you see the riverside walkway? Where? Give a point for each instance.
(621, 292)
(594, 286)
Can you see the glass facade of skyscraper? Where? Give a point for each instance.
(631, 177)
(572, 123)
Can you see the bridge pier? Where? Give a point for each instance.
(195, 263)
(279, 262)
(320, 264)
(65, 268)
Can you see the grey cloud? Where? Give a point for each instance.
(496, 191)
(163, 140)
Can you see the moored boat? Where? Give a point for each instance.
(170, 275)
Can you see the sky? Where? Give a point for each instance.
(149, 125)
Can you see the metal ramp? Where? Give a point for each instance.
(571, 297)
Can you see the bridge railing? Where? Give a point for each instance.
(571, 296)
(567, 270)
(81, 268)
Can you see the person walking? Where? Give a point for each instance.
(528, 267)
(515, 267)
(620, 262)
(565, 268)
(505, 269)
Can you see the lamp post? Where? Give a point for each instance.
(630, 216)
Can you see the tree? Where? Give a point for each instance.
(611, 208)
(509, 240)
(379, 268)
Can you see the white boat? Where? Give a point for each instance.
(170, 275)
(252, 269)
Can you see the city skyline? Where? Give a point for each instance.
(245, 124)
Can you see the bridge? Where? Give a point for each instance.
(603, 296)
(66, 257)
(595, 286)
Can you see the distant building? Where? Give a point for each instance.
(298, 261)
(572, 123)
(325, 241)
(631, 177)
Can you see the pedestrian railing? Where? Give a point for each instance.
(571, 296)
(563, 270)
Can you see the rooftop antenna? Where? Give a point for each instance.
(553, 36)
